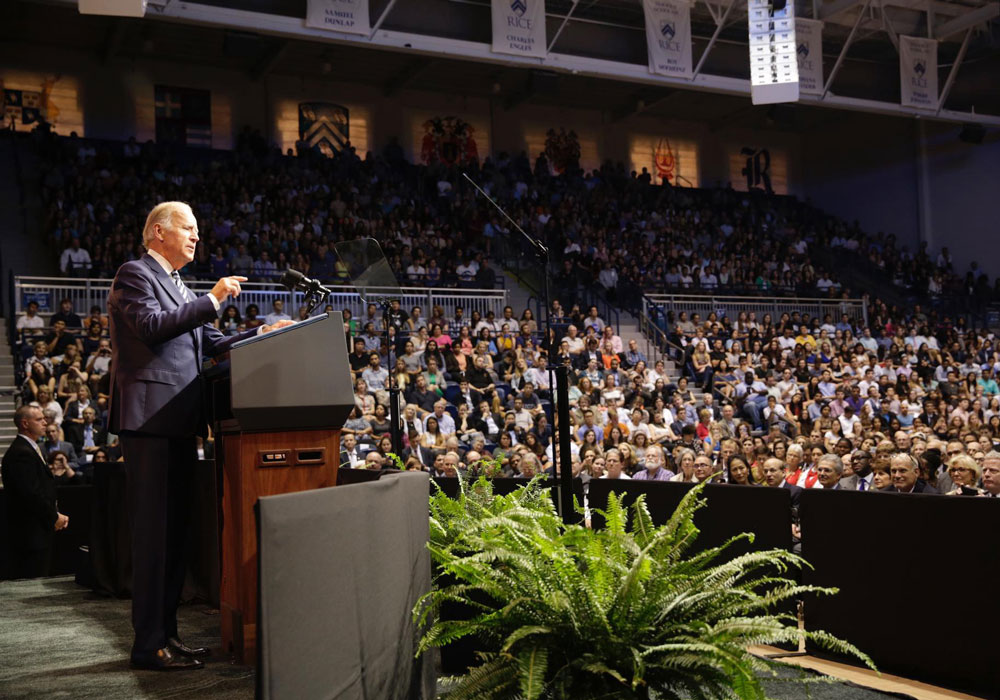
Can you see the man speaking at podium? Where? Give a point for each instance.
(159, 333)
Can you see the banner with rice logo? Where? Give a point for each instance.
(809, 53)
(918, 72)
(519, 27)
(668, 37)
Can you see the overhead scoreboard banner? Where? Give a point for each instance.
(918, 72)
(348, 16)
(809, 52)
(774, 71)
(668, 37)
(519, 27)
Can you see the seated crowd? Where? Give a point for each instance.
(802, 402)
(261, 212)
(866, 415)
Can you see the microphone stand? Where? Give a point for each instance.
(558, 389)
(395, 417)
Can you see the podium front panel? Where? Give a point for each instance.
(295, 378)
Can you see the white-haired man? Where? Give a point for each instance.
(160, 330)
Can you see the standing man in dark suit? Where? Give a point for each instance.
(159, 333)
(32, 517)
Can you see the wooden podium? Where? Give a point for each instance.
(289, 393)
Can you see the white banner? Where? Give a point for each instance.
(809, 52)
(348, 16)
(668, 37)
(918, 72)
(519, 27)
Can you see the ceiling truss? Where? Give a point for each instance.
(866, 19)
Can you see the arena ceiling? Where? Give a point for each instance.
(597, 55)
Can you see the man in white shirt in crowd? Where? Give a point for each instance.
(30, 322)
(849, 422)
(446, 424)
(75, 261)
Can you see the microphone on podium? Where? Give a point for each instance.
(296, 281)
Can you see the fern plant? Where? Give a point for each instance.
(565, 612)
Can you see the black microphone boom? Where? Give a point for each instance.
(296, 281)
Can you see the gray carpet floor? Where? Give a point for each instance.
(58, 640)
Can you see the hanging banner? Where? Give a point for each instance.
(918, 72)
(519, 27)
(348, 16)
(668, 37)
(809, 52)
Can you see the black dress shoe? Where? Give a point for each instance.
(180, 647)
(163, 660)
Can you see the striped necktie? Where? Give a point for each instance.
(186, 294)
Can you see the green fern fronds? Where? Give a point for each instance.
(565, 612)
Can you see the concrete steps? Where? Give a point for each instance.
(8, 393)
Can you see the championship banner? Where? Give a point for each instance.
(348, 16)
(519, 27)
(668, 37)
(809, 52)
(918, 72)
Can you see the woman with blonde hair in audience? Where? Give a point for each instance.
(629, 462)
(701, 364)
(45, 402)
(482, 349)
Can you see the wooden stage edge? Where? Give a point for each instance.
(865, 677)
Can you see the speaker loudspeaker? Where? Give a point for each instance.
(116, 8)
(972, 133)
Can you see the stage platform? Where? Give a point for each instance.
(60, 640)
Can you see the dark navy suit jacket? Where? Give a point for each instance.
(31, 497)
(157, 343)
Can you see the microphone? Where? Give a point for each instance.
(294, 280)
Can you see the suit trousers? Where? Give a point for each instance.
(159, 474)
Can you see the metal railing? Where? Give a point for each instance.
(654, 305)
(84, 293)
